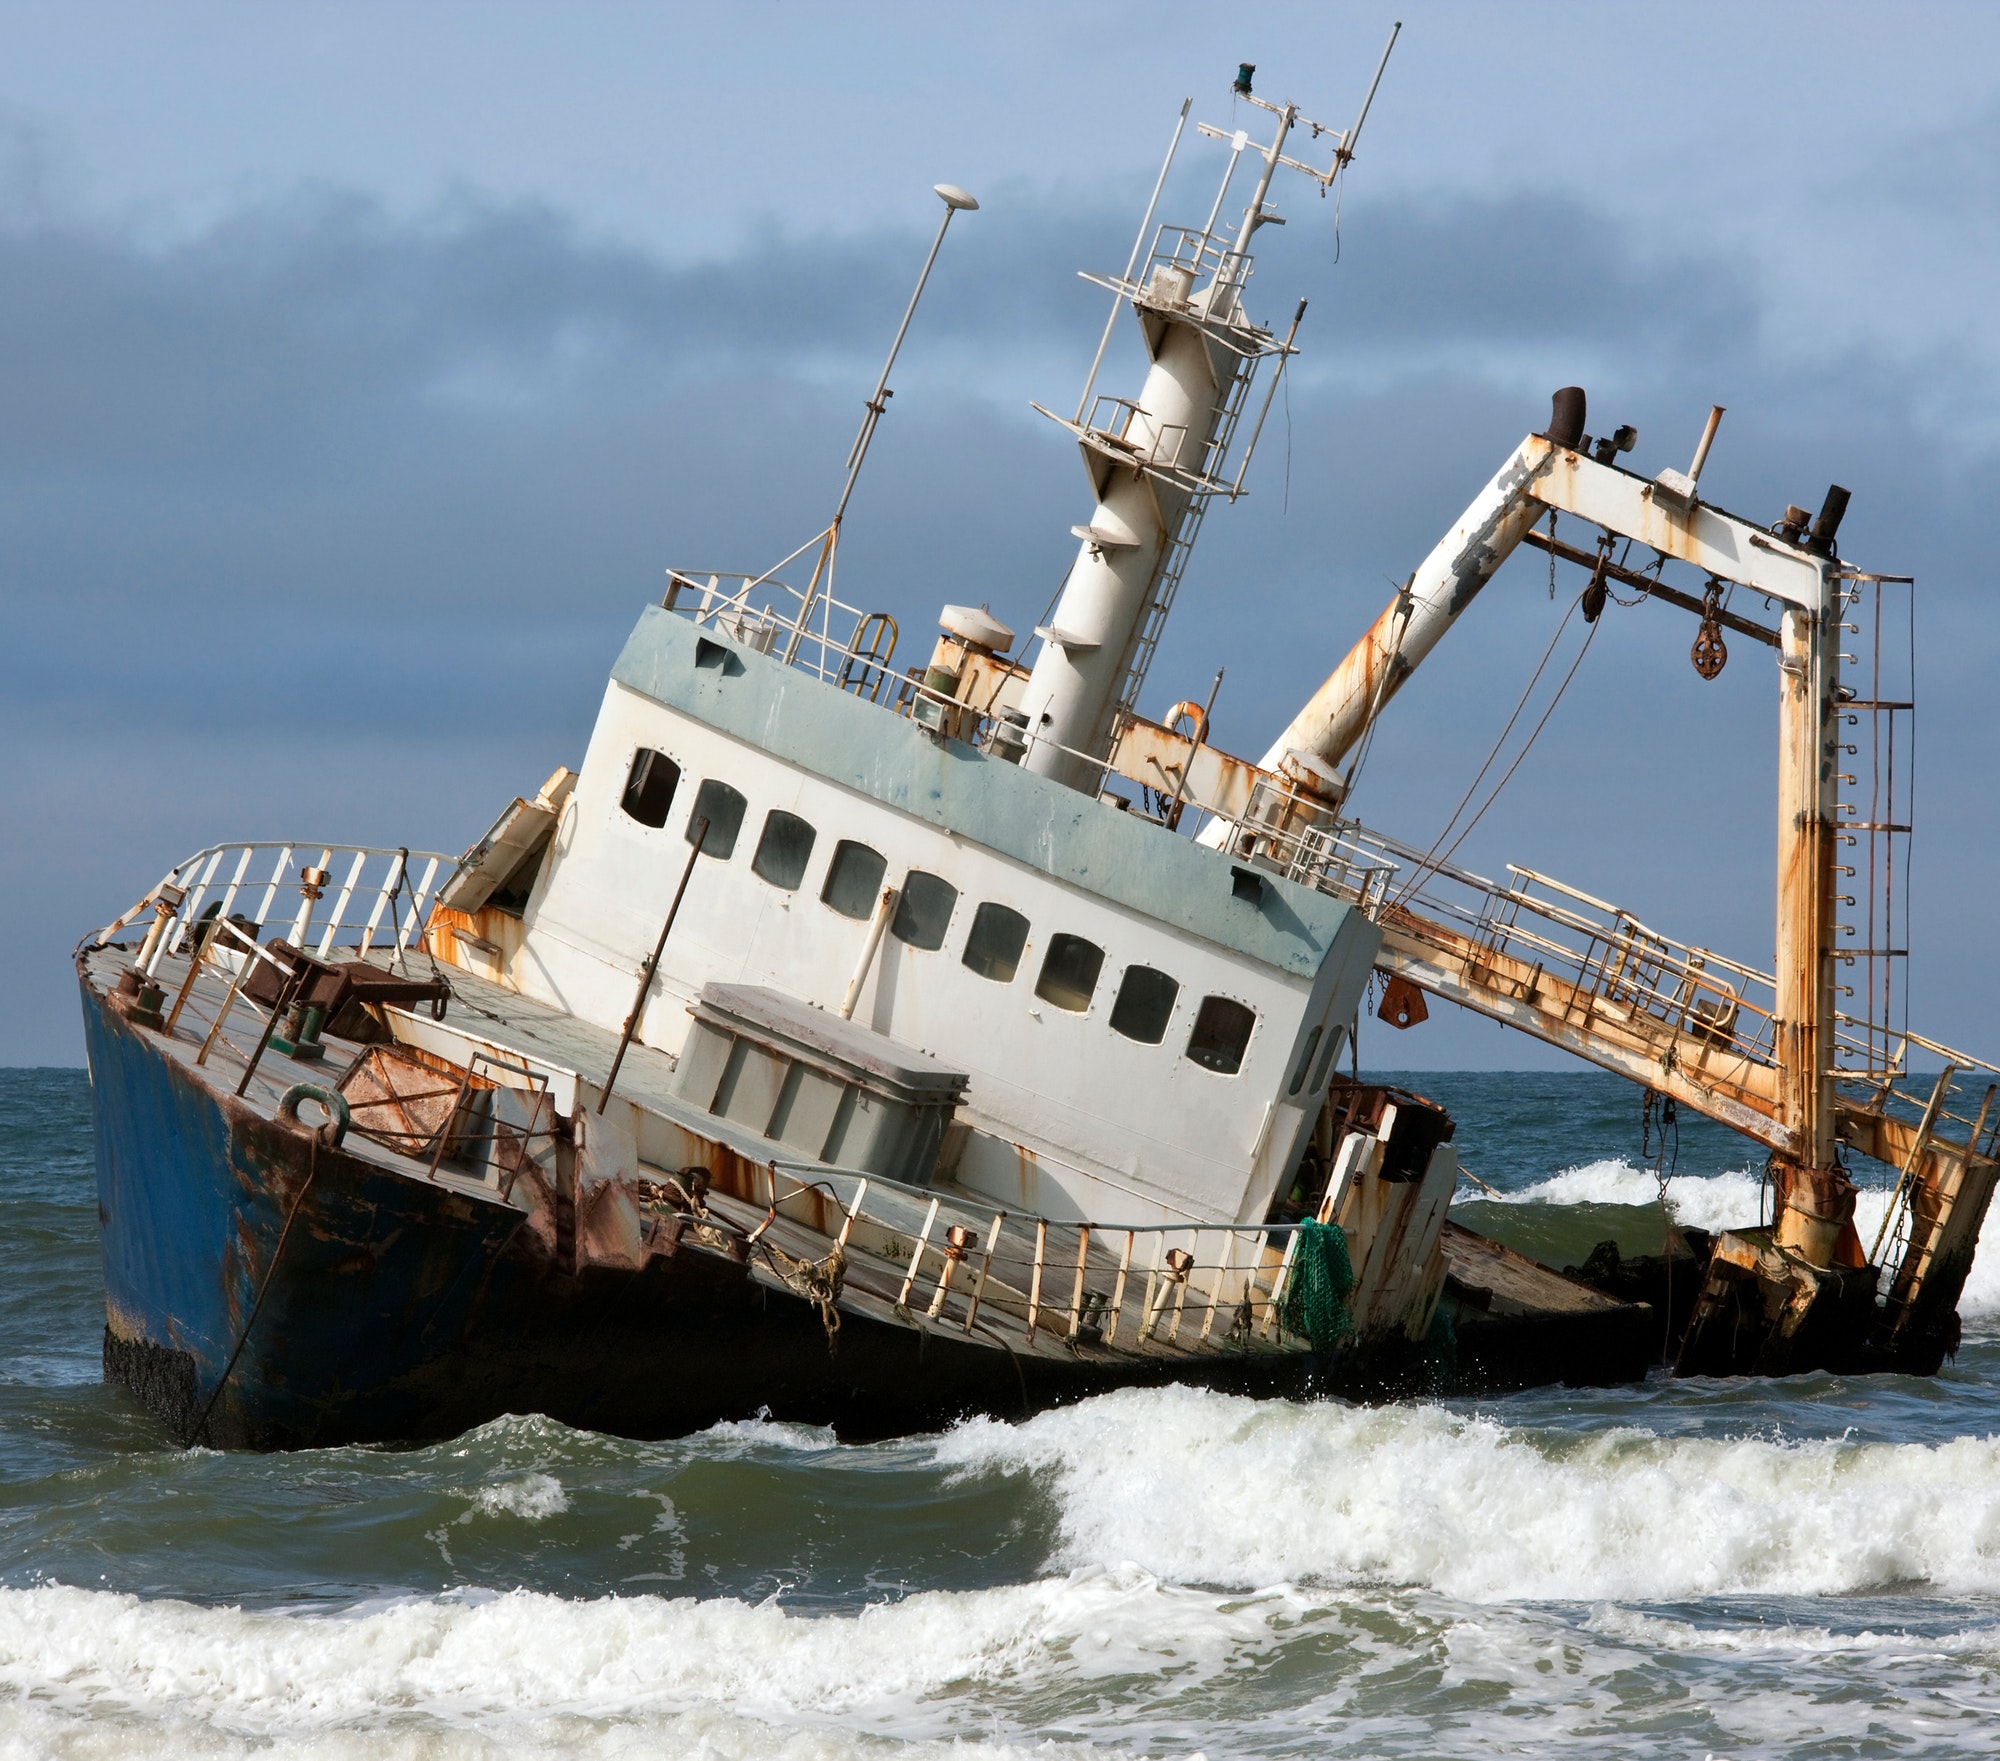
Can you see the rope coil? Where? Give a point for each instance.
(818, 1281)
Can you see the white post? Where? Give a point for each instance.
(884, 909)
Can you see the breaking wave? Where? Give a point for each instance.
(533, 1497)
(528, 1673)
(1239, 1570)
(1717, 1201)
(1202, 1488)
(1061, 1668)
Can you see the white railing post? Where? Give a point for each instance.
(1118, 1289)
(1035, 1279)
(340, 904)
(1222, 1271)
(985, 1266)
(917, 1255)
(1076, 1296)
(383, 894)
(271, 892)
(235, 883)
(191, 907)
(847, 1225)
(413, 919)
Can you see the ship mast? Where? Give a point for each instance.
(1156, 461)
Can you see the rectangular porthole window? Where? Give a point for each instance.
(923, 913)
(722, 807)
(1305, 1059)
(784, 850)
(649, 787)
(1145, 1004)
(854, 879)
(994, 945)
(1221, 1035)
(1069, 973)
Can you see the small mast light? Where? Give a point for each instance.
(956, 198)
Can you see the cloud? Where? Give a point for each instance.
(327, 511)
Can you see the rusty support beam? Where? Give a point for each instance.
(1816, 1200)
(1556, 1012)
(698, 835)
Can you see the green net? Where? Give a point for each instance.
(1315, 1305)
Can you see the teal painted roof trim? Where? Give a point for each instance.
(1086, 843)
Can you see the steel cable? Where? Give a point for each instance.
(263, 1289)
(1431, 861)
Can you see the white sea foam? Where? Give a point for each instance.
(1098, 1656)
(1719, 1201)
(533, 1497)
(526, 1672)
(1715, 1201)
(1205, 1488)
(1235, 1575)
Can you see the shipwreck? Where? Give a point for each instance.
(869, 1044)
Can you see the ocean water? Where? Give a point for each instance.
(1730, 1569)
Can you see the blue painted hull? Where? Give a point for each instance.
(380, 1277)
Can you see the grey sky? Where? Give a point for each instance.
(364, 365)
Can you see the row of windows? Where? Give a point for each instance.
(1071, 967)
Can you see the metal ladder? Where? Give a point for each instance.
(1875, 731)
(1181, 546)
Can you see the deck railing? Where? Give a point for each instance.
(814, 631)
(1944, 1094)
(318, 897)
(222, 907)
(1615, 967)
(1169, 1286)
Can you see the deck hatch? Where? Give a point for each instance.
(831, 1090)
